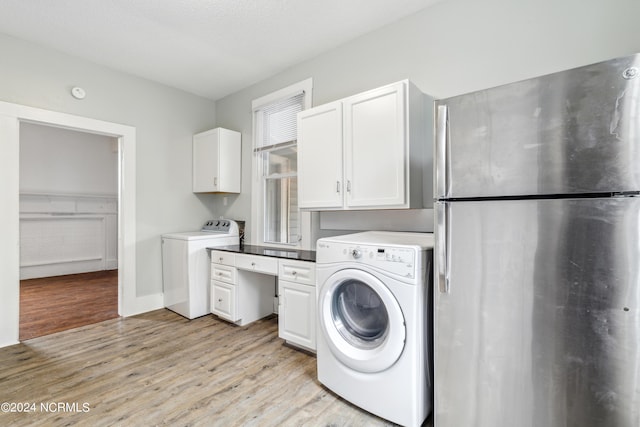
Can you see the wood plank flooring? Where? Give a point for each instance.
(54, 304)
(161, 369)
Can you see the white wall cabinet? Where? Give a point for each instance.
(216, 161)
(297, 303)
(368, 151)
(320, 176)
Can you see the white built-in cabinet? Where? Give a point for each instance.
(216, 161)
(297, 303)
(367, 151)
(242, 291)
(239, 293)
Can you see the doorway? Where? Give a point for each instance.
(11, 116)
(68, 229)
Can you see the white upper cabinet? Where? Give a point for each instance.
(320, 182)
(216, 161)
(368, 151)
(375, 149)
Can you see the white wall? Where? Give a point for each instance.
(164, 118)
(61, 161)
(453, 47)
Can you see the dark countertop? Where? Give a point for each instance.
(296, 254)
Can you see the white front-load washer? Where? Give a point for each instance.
(374, 322)
(186, 266)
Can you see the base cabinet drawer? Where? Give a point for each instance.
(224, 301)
(260, 264)
(223, 273)
(297, 314)
(223, 257)
(297, 271)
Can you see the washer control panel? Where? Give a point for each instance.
(220, 226)
(401, 261)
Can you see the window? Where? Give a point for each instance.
(277, 219)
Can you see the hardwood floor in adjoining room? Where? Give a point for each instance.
(159, 368)
(54, 304)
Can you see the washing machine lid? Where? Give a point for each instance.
(212, 229)
(197, 235)
(361, 320)
(385, 238)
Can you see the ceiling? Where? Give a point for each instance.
(207, 47)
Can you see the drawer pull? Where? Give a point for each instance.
(253, 264)
(294, 272)
(221, 259)
(219, 299)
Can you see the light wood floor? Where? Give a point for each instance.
(161, 369)
(54, 304)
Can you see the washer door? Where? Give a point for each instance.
(361, 320)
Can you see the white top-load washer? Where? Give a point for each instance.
(374, 322)
(186, 264)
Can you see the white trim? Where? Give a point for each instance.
(257, 213)
(10, 117)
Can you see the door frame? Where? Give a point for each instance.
(11, 115)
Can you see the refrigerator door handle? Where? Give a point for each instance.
(442, 136)
(443, 236)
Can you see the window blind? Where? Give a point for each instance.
(279, 122)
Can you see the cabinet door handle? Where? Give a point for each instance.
(337, 186)
(219, 299)
(215, 181)
(348, 186)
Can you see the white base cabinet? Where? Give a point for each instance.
(297, 303)
(368, 151)
(297, 314)
(224, 302)
(242, 291)
(238, 295)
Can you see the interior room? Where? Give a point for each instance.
(294, 194)
(68, 229)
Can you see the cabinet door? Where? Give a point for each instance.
(206, 149)
(224, 300)
(229, 161)
(216, 161)
(375, 147)
(297, 314)
(320, 183)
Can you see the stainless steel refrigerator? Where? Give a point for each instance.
(537, 297)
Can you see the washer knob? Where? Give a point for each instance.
(356, 253)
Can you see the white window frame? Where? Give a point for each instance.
(257, 191)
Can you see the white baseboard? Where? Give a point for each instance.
(144, 304)
(8, 343)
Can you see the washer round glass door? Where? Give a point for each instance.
(361, 320)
